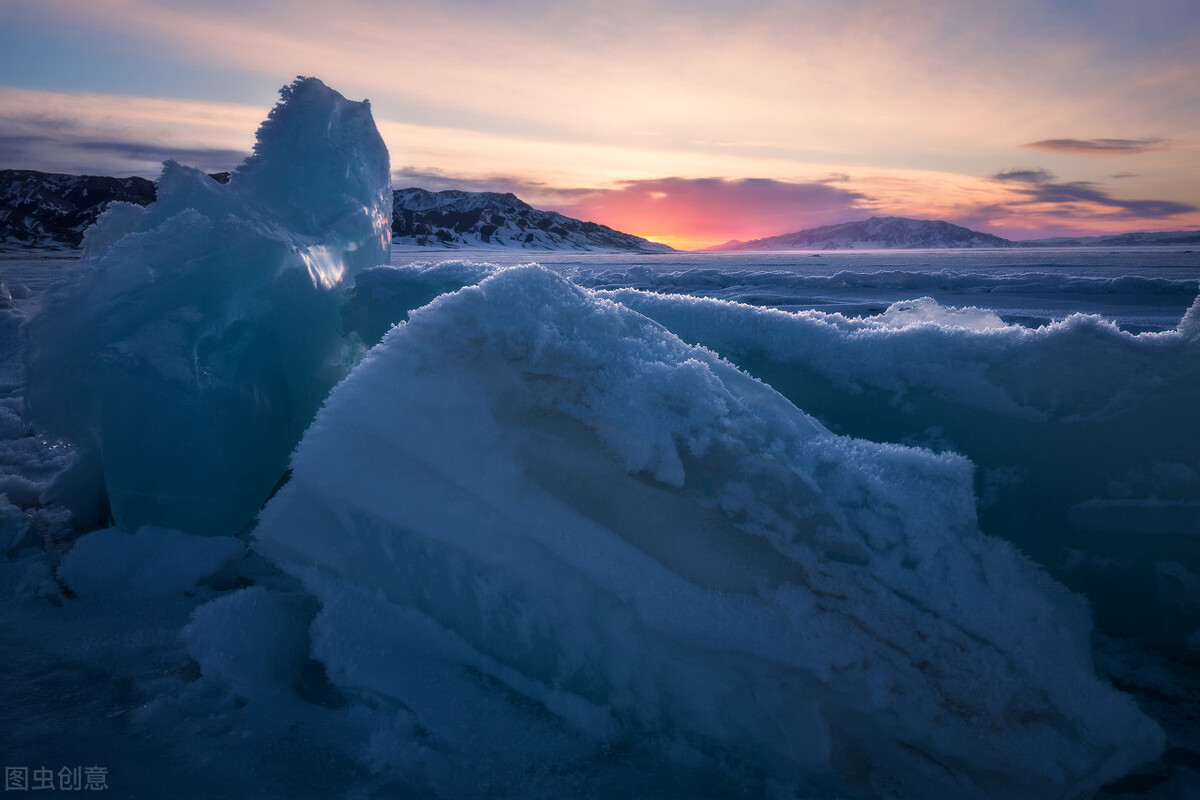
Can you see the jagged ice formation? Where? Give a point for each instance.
(204, 331)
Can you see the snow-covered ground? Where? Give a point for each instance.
(663, 526)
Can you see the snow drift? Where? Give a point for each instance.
(534, 485)
(204, 330)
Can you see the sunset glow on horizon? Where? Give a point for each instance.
(689, 124)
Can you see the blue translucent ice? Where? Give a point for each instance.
(204, 331)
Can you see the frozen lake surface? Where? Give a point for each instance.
(160, 676)
(1141, 289)
(1138, 288)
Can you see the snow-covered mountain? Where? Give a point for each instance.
(41, 209)
(490, 219)
(876, 233)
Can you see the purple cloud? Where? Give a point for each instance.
(106, 156)
(437, 180)
(1094, 147)
(1024, 176)
(1041, 186)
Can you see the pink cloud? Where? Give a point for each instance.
(694, 212)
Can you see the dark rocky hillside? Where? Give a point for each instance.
(490, 219)
(40, 209)
(46, 209)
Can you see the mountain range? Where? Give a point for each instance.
(900, 233)
(40, 209)
(1117, 240)
(490, 219)
(50, 210)
(876, 233)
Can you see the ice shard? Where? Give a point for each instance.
(204, 331)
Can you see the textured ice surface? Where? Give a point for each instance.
(1085, 436)
(1140, 290)
(533, 485)
(204, 330)
(794, 283)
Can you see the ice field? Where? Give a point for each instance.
(290, 514)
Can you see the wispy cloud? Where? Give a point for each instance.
(1024, 176)
(119, 157)
(206, 158)
(437, 180)
(1100, 147)
(114, 135)
(1083, 198)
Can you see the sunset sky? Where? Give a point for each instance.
(686, 122)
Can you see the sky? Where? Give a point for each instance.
(691, 123)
